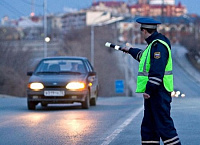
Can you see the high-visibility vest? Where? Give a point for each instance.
(144, 68)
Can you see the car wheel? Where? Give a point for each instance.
(93, 102)
(44, 104)
(86, 103)
(31, 105)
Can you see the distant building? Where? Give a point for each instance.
(95, 17)
(162, 2)
(54, 26)
(173, 27)
(158, 8)
(115, 7)
(27, 22)
(142, 8)
(32, 27)
(79, 20)
(7, 22)
(73, 21)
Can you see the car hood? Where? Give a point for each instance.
(60, 80)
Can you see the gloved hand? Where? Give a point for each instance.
(146, 96)
(126, 47)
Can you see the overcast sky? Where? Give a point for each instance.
(18, 8)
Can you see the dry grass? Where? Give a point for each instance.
(13, 64)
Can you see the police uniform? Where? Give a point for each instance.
(156, 79)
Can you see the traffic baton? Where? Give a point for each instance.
(117, 47)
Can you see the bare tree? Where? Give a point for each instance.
(13, 63)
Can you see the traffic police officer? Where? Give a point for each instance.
(155, 81)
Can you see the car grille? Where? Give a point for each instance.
(49, 87)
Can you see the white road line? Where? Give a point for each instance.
(117, 131)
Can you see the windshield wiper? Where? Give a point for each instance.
(41, 72)
(59, 72)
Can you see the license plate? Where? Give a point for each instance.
(54, 93)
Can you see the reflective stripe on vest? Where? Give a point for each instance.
(144, 68)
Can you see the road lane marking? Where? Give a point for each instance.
(117, 131)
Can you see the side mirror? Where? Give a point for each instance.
(91, 77)
(29, 73)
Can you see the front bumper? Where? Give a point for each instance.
(69, 97)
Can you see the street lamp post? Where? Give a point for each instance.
(45, 28)
(47, 40)
(92, 44)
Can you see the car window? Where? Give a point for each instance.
(89, 66)
(61, 65)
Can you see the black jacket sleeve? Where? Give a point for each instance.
(136, 53)
(159, 57)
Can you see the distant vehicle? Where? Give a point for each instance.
(60, 80)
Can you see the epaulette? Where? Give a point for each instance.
(154, 44)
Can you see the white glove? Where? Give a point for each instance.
(126, 47)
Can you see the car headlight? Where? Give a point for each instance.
(75, 85)
(36, 86)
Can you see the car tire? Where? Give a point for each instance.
(86, 103)
(44, 104)
(31, 105)
(93, 102)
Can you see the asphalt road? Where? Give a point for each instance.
(64, 125)
(114, 121)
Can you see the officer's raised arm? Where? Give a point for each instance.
(136, 53)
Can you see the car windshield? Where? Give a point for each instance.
(61, 66)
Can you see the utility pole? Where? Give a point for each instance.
(162, 11)
(92, 45)
(92, 37)
(32, 8)
(45, 27)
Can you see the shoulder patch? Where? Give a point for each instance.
(157, 55)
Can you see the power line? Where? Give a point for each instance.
(11, 8)
(38, 5)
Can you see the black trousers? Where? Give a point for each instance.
(157, 122)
